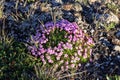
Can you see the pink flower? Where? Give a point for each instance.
(64, 45)
(86, 50)
(71, 61)
(70, 37)
(69, 46)
(43, 36)
(85, 56)
(35, 55)
(78, 59)
(72, 57)
(49, 24)
(79, 65)
(61, 61)
(39, 53)
(65, 55)
(80, 48)
(58, 50)
(66, 68)
(75, 54)
(42, 56)
(90, 41)
(67, 29)
(45, 40)
(65, 36)
(50, 61)
(33, 52)
(62, 68)
(76, 47)
(76, 42)
(42, 50)
(72, 65)
(69, 40)
(59, 45)
(61, 29)
(56, 54)
(55, 48)
(48, 33)
(40, 46)
(74, 38)
(75, 31)
(90, 51)
(91, 60)
(74, 60)
(60, 54)
(48, 57)
(50, 51)
(44, 62)
(79, 53)
(66, 62)
(58, 58)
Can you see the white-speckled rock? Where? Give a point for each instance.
(93, 1)
(77, 7)
(58, 1)
(112, 18)
(105, 1)
(117, 48)
(108, 18)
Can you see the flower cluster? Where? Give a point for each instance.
(62, 43)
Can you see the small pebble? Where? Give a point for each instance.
(117, 48)
(117, 35)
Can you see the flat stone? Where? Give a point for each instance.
(67, 7)
(45, 7)
(92, 1)
(116, 41)
(117, 48)
(108, 17)
(77, 7)
(117, 35)
(57, 1)
(112, 18)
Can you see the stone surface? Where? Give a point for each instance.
(117, 48)
(112, 18)
(45, 7)
(106, 52)
(77, 7)
(67, 7)
(117, 35)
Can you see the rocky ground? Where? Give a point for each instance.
(100, 19)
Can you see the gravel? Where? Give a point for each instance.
(92, 18)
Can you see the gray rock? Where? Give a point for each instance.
(118, 56)
(77, 7)
(112, 18)
(93, 1)
(117, 35)
(58, 1)
(108, 18)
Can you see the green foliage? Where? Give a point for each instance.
(30, 1)
(1, 9)
(63, 45)
(14, 60)
(56, 36)
(85, 2)
(113, 7)
(109, 26)
(43, 73)
(116, 77)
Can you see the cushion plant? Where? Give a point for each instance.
(62, 44)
